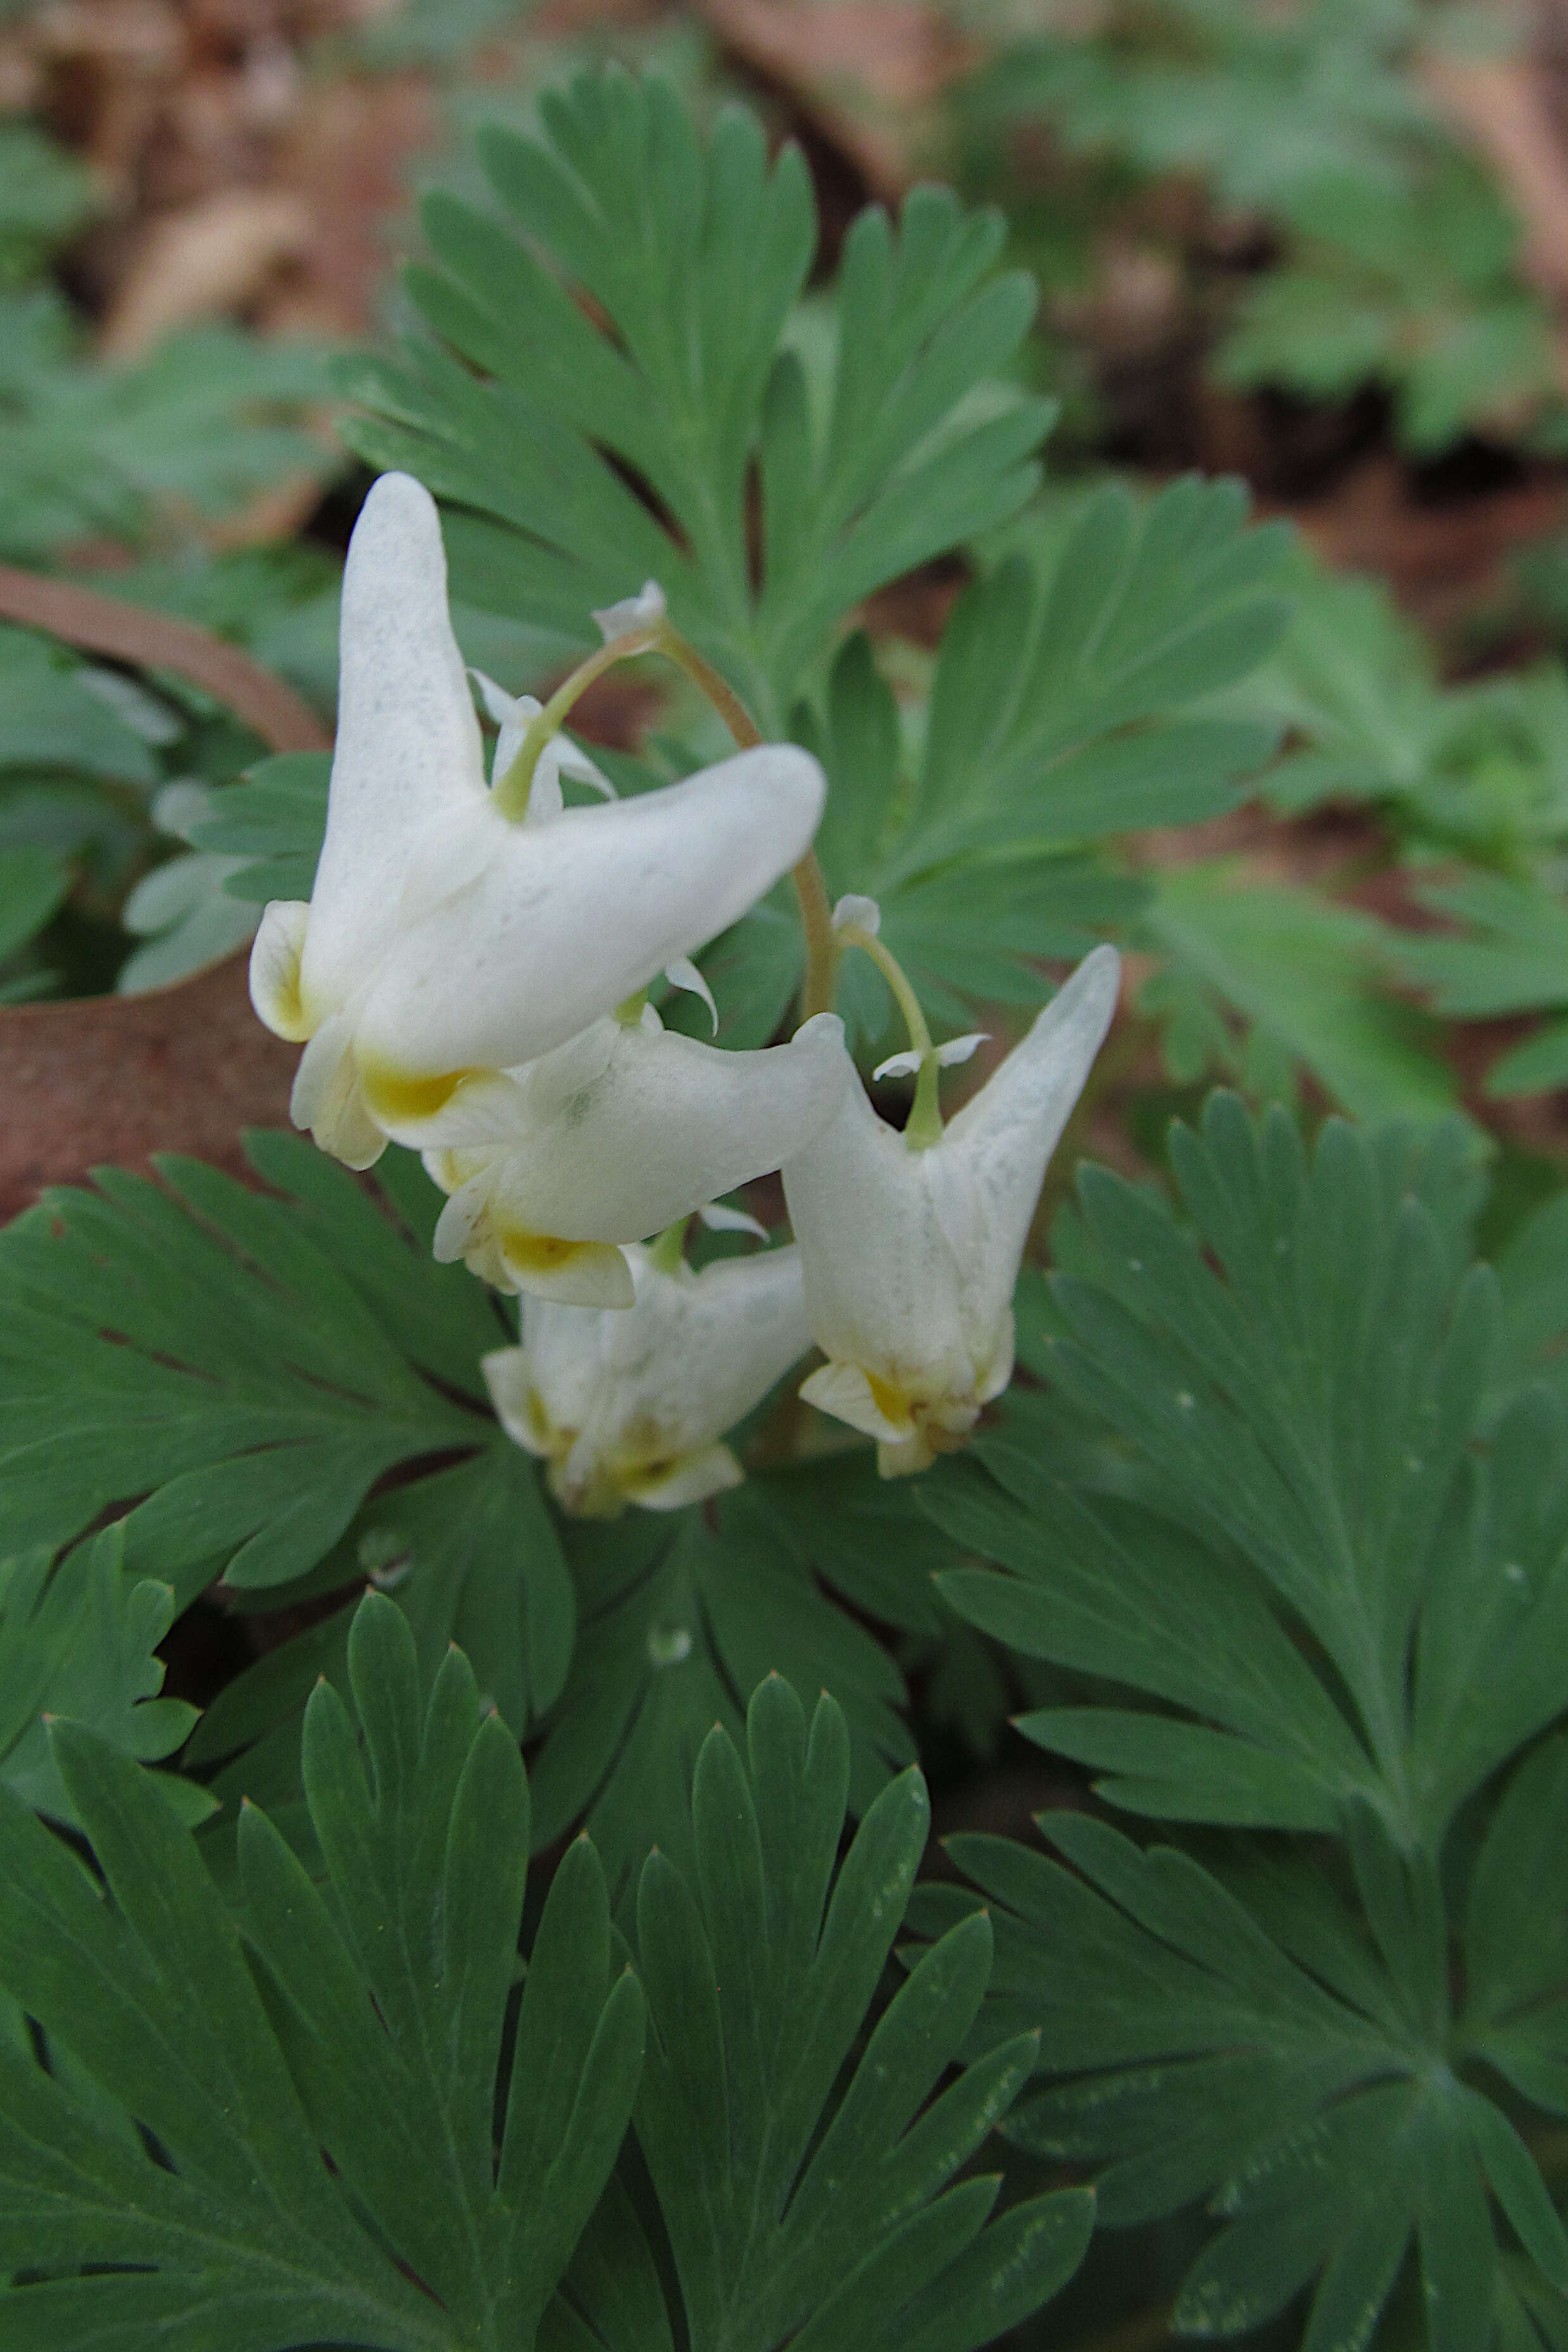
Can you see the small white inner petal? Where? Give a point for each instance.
(898, 1065)
(683, 973)
(720, 1220)
(498, 704)
(573, 761)
(959, 1049)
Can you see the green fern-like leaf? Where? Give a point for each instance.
(324, 2105)
(806, 2203)
(694, 256)
(1248, 2045)
(1059, 719)
(1303, 1410)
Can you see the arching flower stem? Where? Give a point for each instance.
(924, 1126)
(511, 794)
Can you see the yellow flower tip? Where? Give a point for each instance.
(895, 1403)
(395, 1099)
(910, 1428)
(590, 1496)
(930, 1436)
(275, 970)
(552, 1444)
(575, 1274)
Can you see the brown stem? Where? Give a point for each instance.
(819, 987)
(131, 633)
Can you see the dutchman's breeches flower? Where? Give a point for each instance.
(448, 934)
(911, 1250)
(612, 1136)
(631, 1406)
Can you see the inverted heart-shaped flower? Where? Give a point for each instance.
(617, 1134)
(631, 1406)
(444, 937)
(911, 1254)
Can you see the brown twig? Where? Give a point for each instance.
(131, 633)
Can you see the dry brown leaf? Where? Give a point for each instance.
(866, 73)
(213, 257)
(1502, 107)
(347, 156)
(153, 640)
(114, 1079)
(1440, 558)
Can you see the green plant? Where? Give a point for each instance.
(1267, 1534)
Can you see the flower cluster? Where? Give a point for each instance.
(469, 978)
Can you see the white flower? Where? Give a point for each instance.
(612, 1136)
(911, 1257)
(443, 937)
(630, 1405)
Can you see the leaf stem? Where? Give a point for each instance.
(511, 794)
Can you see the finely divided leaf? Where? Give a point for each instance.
(1299, 1396)
(1263, 2059)
(80, 1641)
(694, 255)
(1060, 717)
(674, 1623)
(249, 1365)
(806, 2201)
(322, 2110)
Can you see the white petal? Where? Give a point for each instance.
(409, 751)
(1005, 1136)
(499, 705)
(899, 1066)
(574, 761)
(863, 912)
(509, 1379)
(961, 1049)
(683, 973)
(631, 1407)
(546, 799)
(633, 611)
(884, 1287)
(275, 969)
(582, 1273)
(844, 1392)
(720, 1220)
(326, 1097)
(711, 1470)
(571, 918)
(662, 1125)
(459, 1221)
(482, 1115)
(722, 1338)
(446, 858)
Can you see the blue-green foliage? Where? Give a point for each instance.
(1320, 1585)
(1271, 1532)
